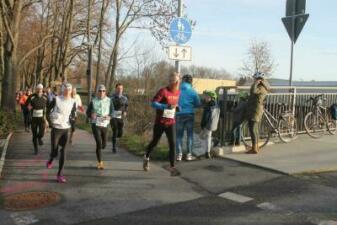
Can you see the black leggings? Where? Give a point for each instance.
(117, 130)
(26, 116)
(254, 131)
(158, 130)
(100, 134)
(59, 137)
(38, 127)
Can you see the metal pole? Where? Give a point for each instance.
(180, 14)
(292, 43)
(291, 64)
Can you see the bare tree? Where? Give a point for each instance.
(153, 15)
(258, 59)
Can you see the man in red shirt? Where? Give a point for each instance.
(166, 104)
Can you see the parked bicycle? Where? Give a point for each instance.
(318, 120)
(285, 126)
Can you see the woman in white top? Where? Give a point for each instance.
(60, 111)
(79, 107)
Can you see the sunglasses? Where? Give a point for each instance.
(101, 90)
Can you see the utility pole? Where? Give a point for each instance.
(180, 14)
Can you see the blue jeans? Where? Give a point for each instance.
(185, 121)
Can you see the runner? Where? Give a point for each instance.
(60, 111)
(120, 105)
(99, 112)
(37, 106)
(79, 107)
(166, 103)
(24, 110)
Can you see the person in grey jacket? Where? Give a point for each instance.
(210, 119)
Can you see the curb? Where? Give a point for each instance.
(3, 155)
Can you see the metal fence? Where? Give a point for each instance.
(296, 98)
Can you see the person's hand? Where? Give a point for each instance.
(93, 116)
(124, 114)
(46, 123)
(81, 108)
(29, 107)
(107, 117)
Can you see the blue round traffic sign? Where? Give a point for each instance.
(180, 30)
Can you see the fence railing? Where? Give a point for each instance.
(296, 98)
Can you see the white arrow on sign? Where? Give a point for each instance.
(180, 53)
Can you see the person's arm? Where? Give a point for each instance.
(156, 101)
(197, 102)
(90, 109)
(73, 112)
(112, 108)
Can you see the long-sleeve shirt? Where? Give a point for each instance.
(162, 102)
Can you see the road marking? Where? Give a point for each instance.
(24, 218)
(269, 206)
(235, 197)
(329, 222)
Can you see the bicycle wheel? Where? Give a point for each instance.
(332, 127)
(314, 125)
(287, 128)
(264, 134)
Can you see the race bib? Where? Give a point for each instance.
(169, 113)
(117, 114)
(102, 122)
(38, 113)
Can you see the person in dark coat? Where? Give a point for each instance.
(254, 113)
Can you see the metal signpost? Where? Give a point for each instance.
(181, 32)
(294, 22)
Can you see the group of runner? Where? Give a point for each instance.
(60, 112)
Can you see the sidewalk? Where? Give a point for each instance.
(89, 193)
(303, 155)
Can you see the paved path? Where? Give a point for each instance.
(210, 192)
(89, 194)
(303, 155)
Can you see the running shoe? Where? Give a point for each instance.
(179, 157)
(174, 172)
(49, 164)
(100, 166)
(146, 163)
(190, 157)
(61, 179)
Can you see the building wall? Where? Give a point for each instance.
(201, 85)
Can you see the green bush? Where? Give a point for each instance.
(7, 123)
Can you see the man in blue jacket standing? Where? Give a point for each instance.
(188, 101)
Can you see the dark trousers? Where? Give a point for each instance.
(38, 128)
(100, 135)
(26, 116)
(158, 131)
(59, 137)
(236, 133)
(117, 130)
(254, 131)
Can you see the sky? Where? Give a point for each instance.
(224, 29)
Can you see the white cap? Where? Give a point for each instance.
(101, 87)
(67, 86)
(39, 86)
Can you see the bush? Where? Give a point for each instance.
(7, 123)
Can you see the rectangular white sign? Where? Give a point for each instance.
(180, 53)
